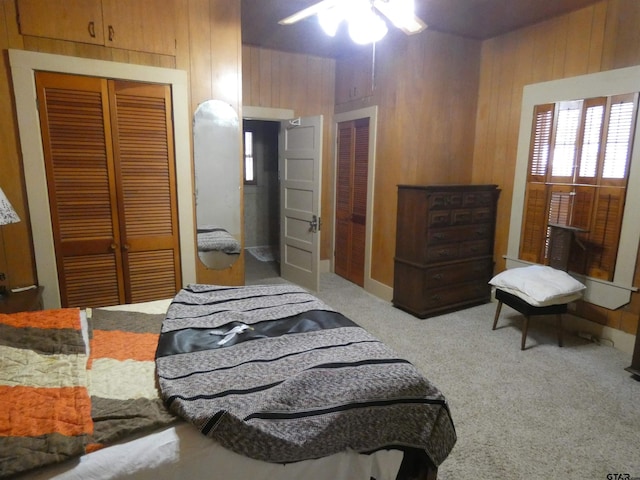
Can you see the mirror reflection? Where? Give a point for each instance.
(216, 144)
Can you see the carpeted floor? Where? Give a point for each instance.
(543, 413)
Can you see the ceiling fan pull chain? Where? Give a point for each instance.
(373, 67)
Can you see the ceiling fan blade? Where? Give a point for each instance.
(409, 24)
(308, 12)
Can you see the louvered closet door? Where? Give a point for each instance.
(111, 180)
(351, 199)
(145, 172)
(74, 119)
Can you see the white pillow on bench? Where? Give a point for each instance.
(539, 285)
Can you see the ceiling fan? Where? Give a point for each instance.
(365, 25)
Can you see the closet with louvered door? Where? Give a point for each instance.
(351, 199)
(109, 158)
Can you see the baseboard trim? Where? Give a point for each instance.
(618, 339)
(378, 289)
(325, 266)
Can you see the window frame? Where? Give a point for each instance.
(617, 292)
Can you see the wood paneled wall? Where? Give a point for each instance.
(425, 87)
(19, 266)
(304, 84)
(601, 37)
(208, 47)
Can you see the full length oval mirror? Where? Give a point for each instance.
(216, 151)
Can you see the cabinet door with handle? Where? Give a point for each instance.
(74, 20)
(143, 25)
(140, 25)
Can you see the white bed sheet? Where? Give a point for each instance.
(182, 452)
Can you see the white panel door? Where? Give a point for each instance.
(300, 147)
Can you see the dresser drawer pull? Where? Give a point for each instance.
(435, 298)
(439, 236)
(444, 253)
(438, 276)
(479, 233)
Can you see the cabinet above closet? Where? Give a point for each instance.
(143, 25)
(354, 77)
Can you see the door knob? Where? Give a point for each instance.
(315, 224)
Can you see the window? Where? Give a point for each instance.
(577, 175)
(249, 159)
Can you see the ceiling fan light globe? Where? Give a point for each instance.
(369, 28)
(330, 20)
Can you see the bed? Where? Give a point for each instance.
(338, 410)
(217, 248)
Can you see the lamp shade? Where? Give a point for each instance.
(7, 213)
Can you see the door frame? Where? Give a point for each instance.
(23, 66)
(370, 285)
(270, 115)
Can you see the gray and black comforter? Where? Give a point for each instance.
(214, 239)
(273, 373)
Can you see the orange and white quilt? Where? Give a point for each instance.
(60, 398)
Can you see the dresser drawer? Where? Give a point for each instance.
(467, 292)
(482, 215)
(467, 216)
(439, 218)
(461, 217)
(442, 253)
(436, 236)
(477, 199)
(459, 272)
(452, 251)
(445, 200)
(475, 248)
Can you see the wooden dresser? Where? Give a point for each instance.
(444, 247)
(635, 361)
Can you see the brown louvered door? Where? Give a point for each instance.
(98, 208)
(351, 199)
(74, 119)
(141, 118)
